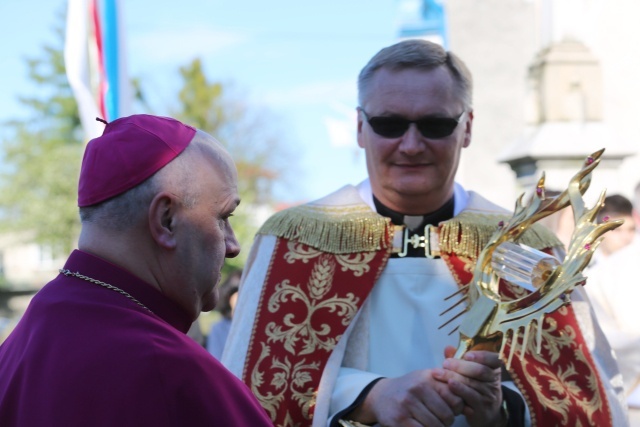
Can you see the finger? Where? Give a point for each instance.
(434, 411)
(487, 358)
(425, 417)
(483, 388)
(402, 413)
(434, 404)
(465, 392)
(477, 399)
(471, 370)
(444, 376)
(468, 412)
(454, 401)
(440, 375)
(449, 351)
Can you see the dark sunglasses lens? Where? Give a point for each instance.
(436, 128)
(389, 127)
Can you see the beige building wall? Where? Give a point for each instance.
(616, 42)
(495, 39)
(499, 40)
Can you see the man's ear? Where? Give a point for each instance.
(359, 128)
(162, 219)
(467, 130)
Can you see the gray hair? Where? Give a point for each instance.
(129, 208)
(418, 54)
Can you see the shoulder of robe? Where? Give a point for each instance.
(339, 223)
(468, 232)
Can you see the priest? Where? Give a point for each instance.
(338, 315)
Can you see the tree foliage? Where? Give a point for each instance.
(41, 157)
(42, 153)
(245, 132)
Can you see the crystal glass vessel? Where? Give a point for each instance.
(523, 265)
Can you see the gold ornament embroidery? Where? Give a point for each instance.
(300, 251)
(294, 329)
(288, 378)
(561, 381)
(469, 263)
(357, 263)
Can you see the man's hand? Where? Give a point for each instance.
(476, 380)
(413, 400)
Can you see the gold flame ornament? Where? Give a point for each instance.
(489, 321)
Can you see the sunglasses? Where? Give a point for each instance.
(429, 127)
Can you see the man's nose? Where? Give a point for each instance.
(412, 142)
(232, 245)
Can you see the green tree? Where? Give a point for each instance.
(259, 155)
(42, 152)
(41, 157)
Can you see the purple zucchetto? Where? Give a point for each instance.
(130, 150)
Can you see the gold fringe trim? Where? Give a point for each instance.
(354, 229)
(468, 233)
(336, 230)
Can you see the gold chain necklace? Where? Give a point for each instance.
(104, 285)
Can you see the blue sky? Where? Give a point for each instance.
(298, 59)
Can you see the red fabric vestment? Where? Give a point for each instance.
(306, 306)
(304, 310)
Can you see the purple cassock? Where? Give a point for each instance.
(85, 355)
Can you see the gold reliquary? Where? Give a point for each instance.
(490, 322)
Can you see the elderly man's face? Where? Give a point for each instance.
(413, 174)
(206, 235)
